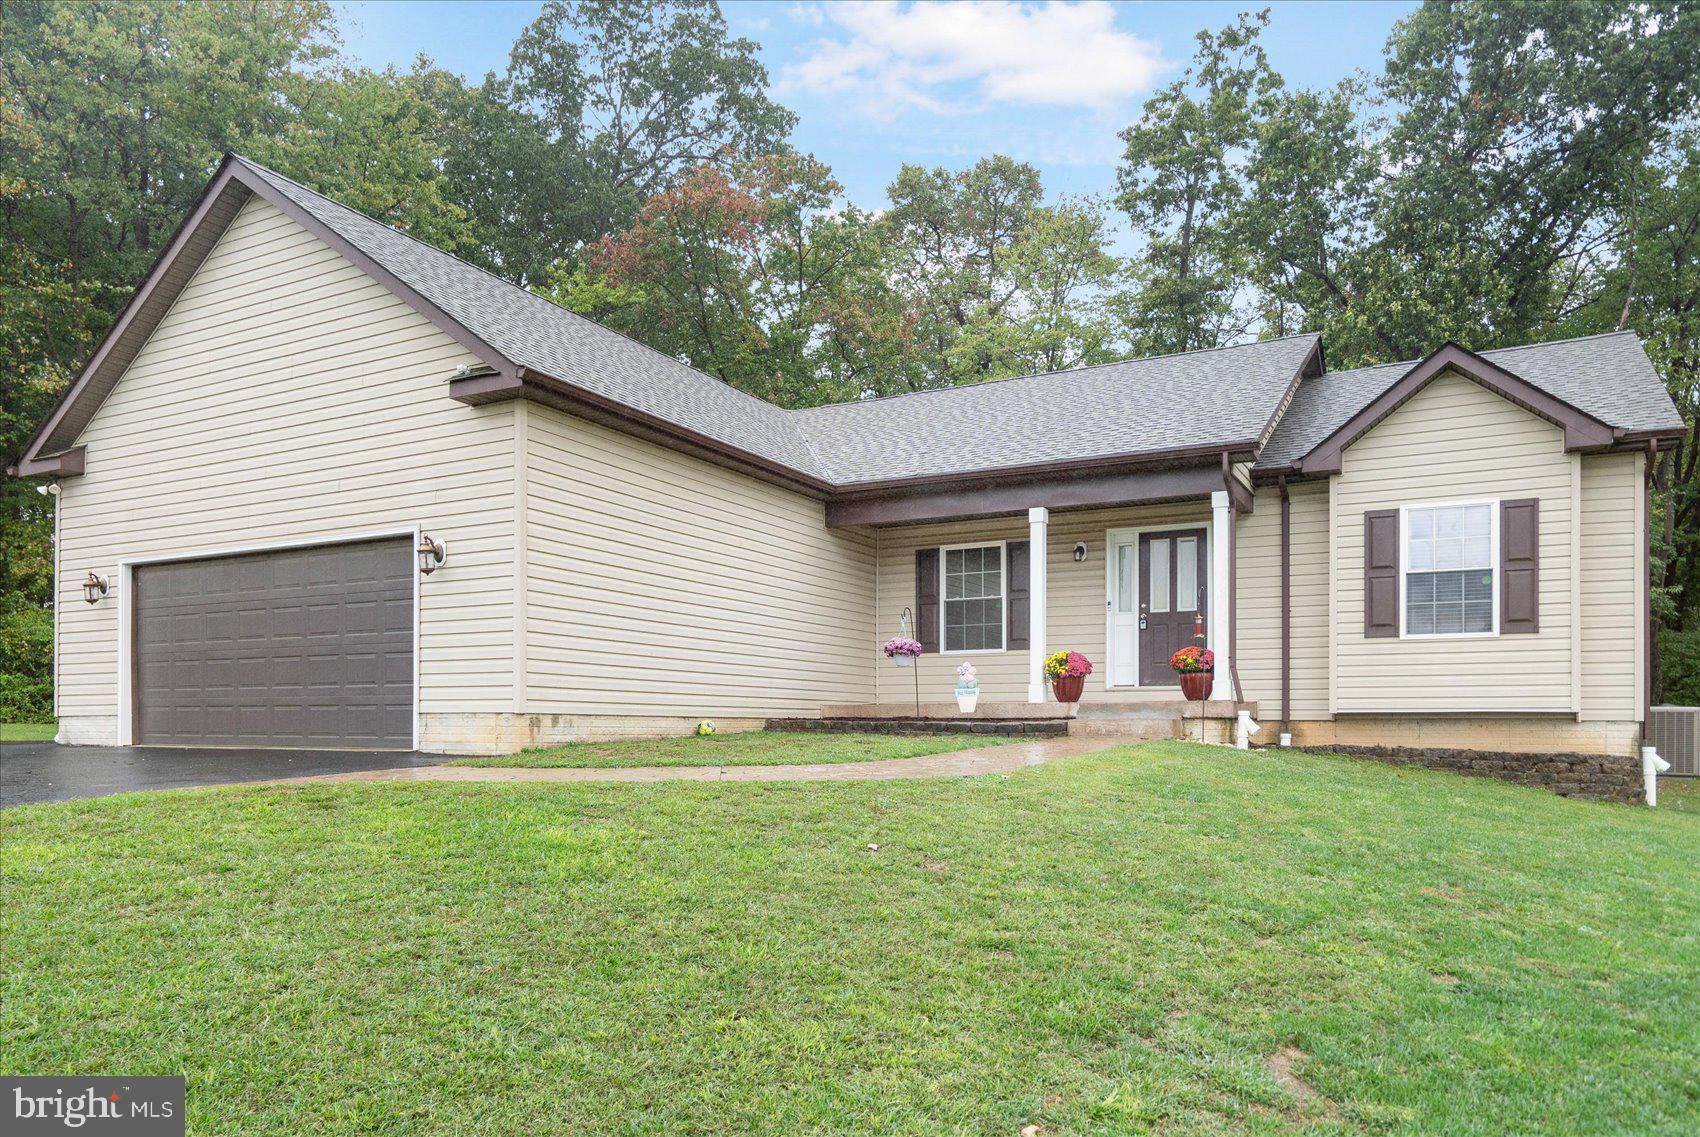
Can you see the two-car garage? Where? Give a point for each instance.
(297, 647)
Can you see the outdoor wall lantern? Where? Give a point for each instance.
(1079, 552)
(432, 554)
(94, 587)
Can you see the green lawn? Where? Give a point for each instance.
(1680, 794)
(1115, 943)
(27, 731)
(753, 748)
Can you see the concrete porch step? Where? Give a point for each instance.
(1022, 728)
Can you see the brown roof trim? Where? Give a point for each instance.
(1238, 492)
(524, 383)
(920, 505)
(1582, 431)
(66, 464)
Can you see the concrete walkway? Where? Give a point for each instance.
(951, 764)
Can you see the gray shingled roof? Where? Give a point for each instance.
(1607, 376)
(1202, 398)
(1224, 396)
(1227, 396)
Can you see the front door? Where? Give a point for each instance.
(1172, 575)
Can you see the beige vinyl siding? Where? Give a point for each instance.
(288, 397)
(1613, 586)
(1076, 613)
(1259, 556)
(662, 585)
(1455, 441)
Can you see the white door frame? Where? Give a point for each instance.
(125, 581)
(1130, 535)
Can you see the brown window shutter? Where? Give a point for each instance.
(927, 598)
(1019, 567)
(1519, 566)
(1381, 573)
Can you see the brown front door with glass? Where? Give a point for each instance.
(1172, 576)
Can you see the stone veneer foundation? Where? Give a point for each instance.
(1599, 776)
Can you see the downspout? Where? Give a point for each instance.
(1286, 609)
(1652, 765)
(1233, 580)
(1652, 624)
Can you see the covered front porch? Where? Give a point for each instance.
(1082, 565)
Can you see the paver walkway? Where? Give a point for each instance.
(951, 764)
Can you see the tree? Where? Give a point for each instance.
(627, 99)
(996, 281)
(378, 141)
(1654, 287)
(760, 275)
(1181, 186)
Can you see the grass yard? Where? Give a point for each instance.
(1680, 794)
(751, 748)
(1162, 939)
(27, 731)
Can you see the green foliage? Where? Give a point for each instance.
(993, 281)
(1180, 188)
(26, 662)
(759, 274)
(377, 141)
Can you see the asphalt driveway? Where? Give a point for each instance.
(32, 772)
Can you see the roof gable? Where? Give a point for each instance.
(1582, 431)
(1607, 377)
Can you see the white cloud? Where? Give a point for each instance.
(945, 57)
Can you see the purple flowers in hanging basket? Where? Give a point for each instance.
(900, 646)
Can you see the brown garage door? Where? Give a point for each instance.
(301, 647)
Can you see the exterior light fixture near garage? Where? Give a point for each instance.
(94, 587)
(432, 554)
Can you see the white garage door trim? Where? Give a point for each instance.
(124, 580)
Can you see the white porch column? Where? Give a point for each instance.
(1038, 532)
(1216, 629)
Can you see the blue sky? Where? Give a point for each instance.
(878, 85)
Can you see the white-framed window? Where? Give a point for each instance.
(1449, 570)
(973, 612)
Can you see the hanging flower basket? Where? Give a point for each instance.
(1067, 671)
(902, 651)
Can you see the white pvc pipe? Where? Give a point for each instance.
(1244, 727)
(1651, 767)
